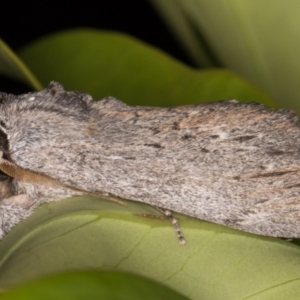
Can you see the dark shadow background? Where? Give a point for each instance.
(23, 22)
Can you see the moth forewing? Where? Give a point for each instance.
(231, 163)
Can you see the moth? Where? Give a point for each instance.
(235, 164)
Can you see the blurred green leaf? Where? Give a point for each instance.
(12, 66)
(257, 39)
(184, 29)
(89, 233)
(106, 63)
(92, 285)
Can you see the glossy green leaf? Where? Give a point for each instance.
(257, 39)
(92, 285)
(106, 63)
(88, 233)
(12, 66)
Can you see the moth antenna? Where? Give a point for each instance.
(174, 222)
(14, 171)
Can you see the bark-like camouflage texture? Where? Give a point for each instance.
(230, 163)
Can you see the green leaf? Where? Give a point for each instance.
(106, 63)
(184, 29)
(92, 285)
(89, 233)
(12, 66)
(257, 39)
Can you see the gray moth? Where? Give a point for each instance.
(235, 164)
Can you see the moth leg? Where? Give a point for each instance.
(175, 224)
